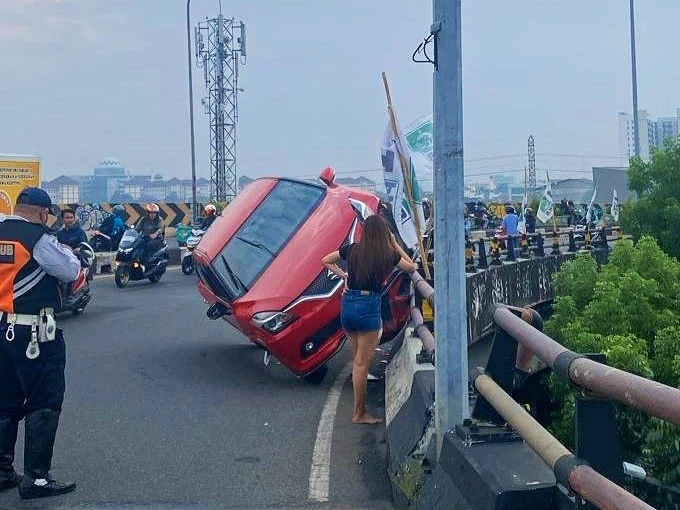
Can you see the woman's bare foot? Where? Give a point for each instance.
(366, 419)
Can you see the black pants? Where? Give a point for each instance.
(28, 385)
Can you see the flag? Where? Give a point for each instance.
(393, 175)
(589, 212)
(615, 206)
(545, 208)
(522, 225)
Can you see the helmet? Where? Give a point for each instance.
(210, 209)
(509, 209)
(118, 210)
(151, 207)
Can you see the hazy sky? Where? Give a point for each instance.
(85, 79)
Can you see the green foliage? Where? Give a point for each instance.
(657, 210)
(629, 310)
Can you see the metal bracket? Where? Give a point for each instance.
(474, 433)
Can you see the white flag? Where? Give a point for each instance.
(545, 208)
(392, 147)
(615, 206)
(522, 224)
(589, 212)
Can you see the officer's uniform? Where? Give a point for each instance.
(32, 350)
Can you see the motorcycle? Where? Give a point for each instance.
(76, 295)
(102, 242)
(192, 242)
(129, 264)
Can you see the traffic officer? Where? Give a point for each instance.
(32, 349)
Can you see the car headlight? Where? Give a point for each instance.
(273, 322)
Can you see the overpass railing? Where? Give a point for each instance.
(593, 472)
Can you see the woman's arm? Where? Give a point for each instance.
(331, 262)
(405, 263)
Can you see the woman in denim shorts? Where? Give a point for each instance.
(369, 263)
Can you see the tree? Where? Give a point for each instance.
(629, 309)
(657, 210)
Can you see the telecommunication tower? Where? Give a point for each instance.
(532, 166)
(218, 52)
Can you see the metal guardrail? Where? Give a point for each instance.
(597, 379)
(568, 469)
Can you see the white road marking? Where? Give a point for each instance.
(320, 473)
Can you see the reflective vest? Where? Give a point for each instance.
(25, 287)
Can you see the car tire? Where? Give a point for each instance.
(317, 376)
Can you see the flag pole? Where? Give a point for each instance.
(405, 170)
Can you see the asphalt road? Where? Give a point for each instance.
(166, 409)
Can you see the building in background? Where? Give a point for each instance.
(608, 179)
(653, 133)
(63, 190)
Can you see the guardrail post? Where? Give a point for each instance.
(538, 249)
(524, 244)
(482, 263)
(469, 257)
(603, 241)
(572, 242)
(496, 252)
(510, 253)
(555, 243)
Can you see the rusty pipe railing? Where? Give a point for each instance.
(423, 288)
(568, 469)
(644, 394)
(426, 337)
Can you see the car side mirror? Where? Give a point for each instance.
(216, 311)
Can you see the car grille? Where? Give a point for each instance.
(326, 281)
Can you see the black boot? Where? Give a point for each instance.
(8, 438)
(41, 430)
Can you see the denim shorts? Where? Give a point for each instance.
(360, 312)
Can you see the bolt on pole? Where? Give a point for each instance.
(451, 371)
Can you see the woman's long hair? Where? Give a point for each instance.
(373, 257)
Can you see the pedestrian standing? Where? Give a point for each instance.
(32, 349)
(369, 263)
(511, 226)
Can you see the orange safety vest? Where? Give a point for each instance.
(25, 287)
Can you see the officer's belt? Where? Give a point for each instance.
(44, 322)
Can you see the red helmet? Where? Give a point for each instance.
(210, 209)
(151, 207)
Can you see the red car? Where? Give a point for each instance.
(259, 268)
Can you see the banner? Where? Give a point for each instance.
(589, 212)
(545, 208)
(615, 206)
(394, 185)
(16, 173)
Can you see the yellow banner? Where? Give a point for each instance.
(15, 175)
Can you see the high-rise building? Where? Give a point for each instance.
(652, 133)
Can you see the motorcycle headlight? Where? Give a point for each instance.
(273, 322)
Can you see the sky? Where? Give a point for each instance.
(88, 79)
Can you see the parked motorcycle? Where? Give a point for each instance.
(192, 242)
(129, 264)
(76, 295)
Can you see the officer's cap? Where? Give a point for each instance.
(34, 196)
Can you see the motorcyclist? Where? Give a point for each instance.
(210, 215)
(70, 233)
(152, 228)
(32, 349)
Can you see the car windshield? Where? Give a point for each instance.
(265, 233)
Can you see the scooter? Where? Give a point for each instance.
(76, 295)
(129, 264)
(192, 242)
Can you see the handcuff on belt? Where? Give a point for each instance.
(43, 329)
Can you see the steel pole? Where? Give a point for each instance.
(451, 371)
(636, 125)
(194, 205)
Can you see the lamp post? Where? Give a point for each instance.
(636, 133)
(194, 205)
